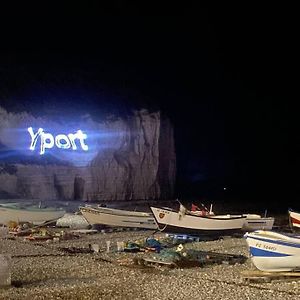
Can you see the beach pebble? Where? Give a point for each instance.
(42, 271)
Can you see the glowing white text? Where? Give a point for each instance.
(62, 141)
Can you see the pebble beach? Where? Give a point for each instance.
(40, 270)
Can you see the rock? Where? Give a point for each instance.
(72, 221)
(5, 270)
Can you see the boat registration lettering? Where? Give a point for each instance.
(269, 248)
(260, 245)
(162, 211)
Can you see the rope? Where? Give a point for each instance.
(161, 230)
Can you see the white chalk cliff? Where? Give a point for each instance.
(128, 159)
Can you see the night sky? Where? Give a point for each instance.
(226, 77)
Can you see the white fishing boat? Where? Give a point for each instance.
(118, 217)
(182, 221)
(252, 221)
(294, 218)
(257, 222)
(274, 252)
(22, 213)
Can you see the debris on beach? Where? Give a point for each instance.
(77, 250)
(182, 257)
(40, 233)
(144, 245)
(152, 244)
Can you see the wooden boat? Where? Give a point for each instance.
(294, 219)
(274, 252)
(181, 221)
(257, 222)
(22, 213)
(117, 217)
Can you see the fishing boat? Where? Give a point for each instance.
(117, 217)
(252, 221)
(274, 252)
(182, 221)
(23, 213)
(294, 219)
(257, 222)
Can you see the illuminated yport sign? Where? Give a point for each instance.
(62, 141)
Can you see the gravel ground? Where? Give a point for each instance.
(40, 271)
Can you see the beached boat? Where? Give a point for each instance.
(274, 252)
(252, 221)
(22, 213)
(118, 217)
(257, 222)
(182, 221)
(294, 218)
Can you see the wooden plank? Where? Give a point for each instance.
(262, 273)
(153, 262)
(119, 229)
(84, 231)
(38, 238)
(258, 276)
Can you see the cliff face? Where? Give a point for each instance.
(129, 159)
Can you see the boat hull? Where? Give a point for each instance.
(294, 219)
(28, 215)
(273, 252)
(252, 224)
(118, 218)
(173, 222)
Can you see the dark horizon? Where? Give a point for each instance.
(225, 80)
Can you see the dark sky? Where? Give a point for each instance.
(225, 76)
